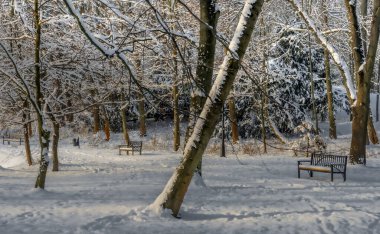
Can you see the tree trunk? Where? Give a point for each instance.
(311, 76)
(141, 102)
(28, 153)
(330, 100)
(209, 14)
(54, 149)
(175, 97)
(263, 132)
(69, 117)
(378, 91)
(364, 13)
(96, 116)
(124, 120)
(44, 134)
(361, 105)
(233, 119)
(106, 127)
(176, 188)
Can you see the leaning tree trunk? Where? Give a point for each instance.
(44, 134)
(360, 108)
(176, 188)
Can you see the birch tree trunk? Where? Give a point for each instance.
(173, 194)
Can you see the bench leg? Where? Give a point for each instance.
(311, 173)
(127, 152)
(299, 173)
(344, 177)
(119, 152)
(332, 176)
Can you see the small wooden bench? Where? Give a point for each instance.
(132, 146)
(326, 163)
(10, 139)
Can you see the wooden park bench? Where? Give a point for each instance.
(10, 139)
(133, 146)
(326, 163)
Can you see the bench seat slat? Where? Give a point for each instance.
(315, 168)
(126, 148)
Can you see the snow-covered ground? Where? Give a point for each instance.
(98, 191)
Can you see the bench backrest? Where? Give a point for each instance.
(325, 160)
(135, 144)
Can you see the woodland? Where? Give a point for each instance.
(272, 71)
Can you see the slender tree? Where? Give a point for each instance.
(329, 92)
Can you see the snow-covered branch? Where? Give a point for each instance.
(338, 59)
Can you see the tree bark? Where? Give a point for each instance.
(124, 120)
(360, 108)
(330, 99)
(96, 116)
(175, 97)
(106, 127)
(233, 119)
(44, 134)
(364, 13)
(54, 148)
(176, 188)
(28, 153)
(205, 64)
(378, 91)
(141, 102)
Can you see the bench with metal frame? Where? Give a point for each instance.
(133, 146)
(325, 163)
(10, 139)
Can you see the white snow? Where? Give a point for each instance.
(98, 191)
